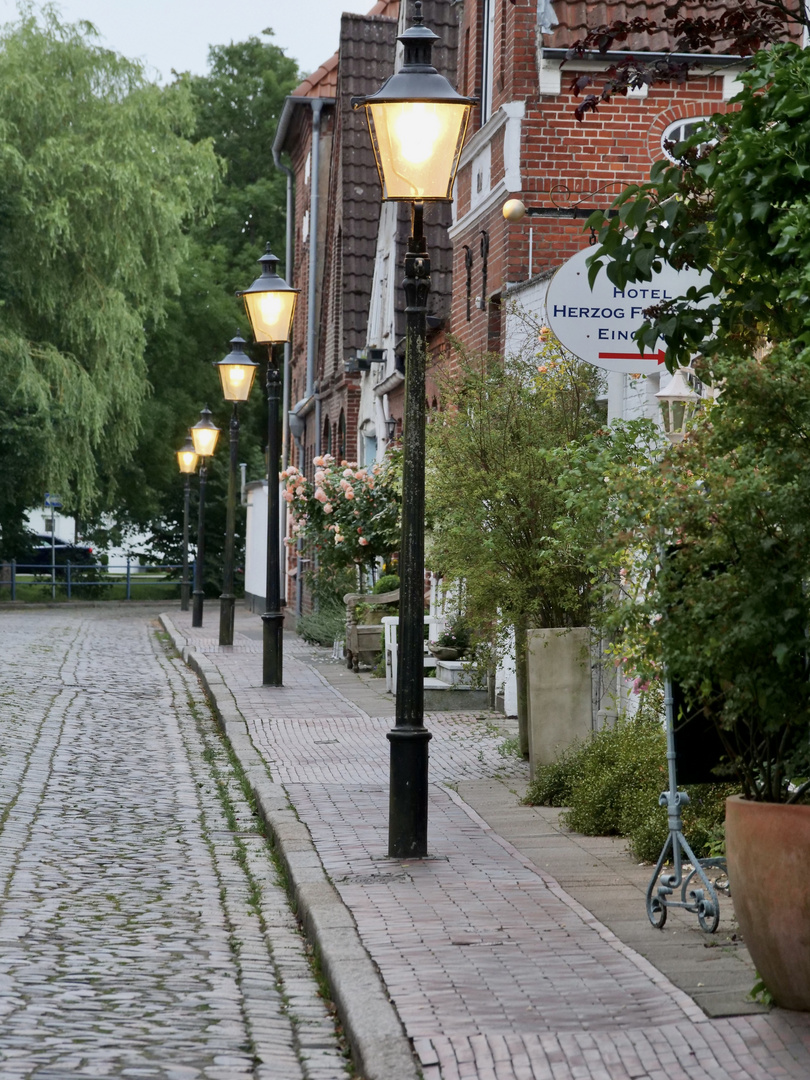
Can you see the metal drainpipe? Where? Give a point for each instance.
(288, 268)
(318, 447)
(318, 452)
(299, 547)
(317, 106)
(285, 392)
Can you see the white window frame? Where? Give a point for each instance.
(488, 9)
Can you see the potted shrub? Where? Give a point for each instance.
(728, 610)
(453, 643)
(498, 516)
(734, 599)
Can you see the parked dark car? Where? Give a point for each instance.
(37, 552)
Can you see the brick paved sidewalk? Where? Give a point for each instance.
(495, 971)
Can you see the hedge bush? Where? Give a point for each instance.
(610, 785)
(324, 626)
(386, 583)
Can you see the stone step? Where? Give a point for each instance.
(454, 673)
(444, 697)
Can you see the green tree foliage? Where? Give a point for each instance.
(99, 180)
(727, 608)
(496, 509)
(500, 519)
(716, 549)
(237, 107)
(737, 206)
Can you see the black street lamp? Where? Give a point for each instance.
(187, 460)
(204, 436)
(270, 306)
(417, 122)
(236, 373)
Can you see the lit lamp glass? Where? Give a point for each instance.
(678, 403)
(187, 456)
(417, 145)
(236, 372)
(417, 122)
(204, 435)
(270, 303)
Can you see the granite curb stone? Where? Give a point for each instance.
(379, 1044)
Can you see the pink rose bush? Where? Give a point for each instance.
(347, 514)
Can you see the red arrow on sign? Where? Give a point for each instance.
(660, 356)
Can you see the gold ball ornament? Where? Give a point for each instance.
(514, 210)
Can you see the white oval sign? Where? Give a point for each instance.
(598, 325)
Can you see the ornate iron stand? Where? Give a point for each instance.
(700, 901)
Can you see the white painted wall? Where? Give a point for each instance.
(380, 334)
(64, 526)
(65, 529)
(506, 680)
(256, 539)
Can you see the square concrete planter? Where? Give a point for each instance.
(559, 691)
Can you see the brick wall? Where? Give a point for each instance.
(561, 162)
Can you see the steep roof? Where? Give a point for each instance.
(366, 59)
(323, 81)
(576, 17)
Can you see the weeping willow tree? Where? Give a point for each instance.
(99, 179)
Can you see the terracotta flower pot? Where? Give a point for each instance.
(768, 849)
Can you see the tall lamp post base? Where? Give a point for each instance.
(227, 608)
(408, 809)
(408, 806)
(228, 598)
(198, 594)
(272, 649)
(273, 617)
(185, 584)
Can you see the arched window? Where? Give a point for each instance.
(677, 133)
(326, 447)
(341, 437)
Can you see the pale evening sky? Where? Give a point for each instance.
(168, 34)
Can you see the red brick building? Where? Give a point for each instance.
(346, 360)
(526, 142)
(347, 268)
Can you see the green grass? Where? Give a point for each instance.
(39, 592)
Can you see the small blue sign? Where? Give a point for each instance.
(53, 501)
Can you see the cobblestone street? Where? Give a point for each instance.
(143, 930)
